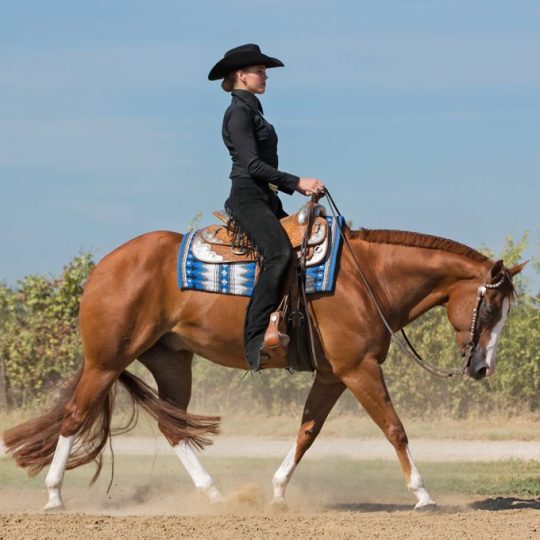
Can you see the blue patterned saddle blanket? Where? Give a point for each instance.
(238, 278)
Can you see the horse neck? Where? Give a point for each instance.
(408, 281)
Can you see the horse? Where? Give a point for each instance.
(131, 308)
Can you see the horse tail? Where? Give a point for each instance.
(33, 443)
(176, 424)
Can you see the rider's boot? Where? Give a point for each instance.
(253, 353)
(272, 345)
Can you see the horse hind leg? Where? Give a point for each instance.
(324, 393)
(87, 417)
(367, 384)
(80, 420)
(85, 427)
(172, 373)
(55, 475)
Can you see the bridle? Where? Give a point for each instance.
(471, 344)
(407, 346)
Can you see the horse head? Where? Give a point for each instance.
(478, 313)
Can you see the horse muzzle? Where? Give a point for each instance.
(478, 367)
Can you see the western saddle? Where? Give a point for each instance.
(289, 336)
(215, 243)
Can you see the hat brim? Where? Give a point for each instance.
(238, 61)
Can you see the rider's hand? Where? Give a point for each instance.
(310, 186)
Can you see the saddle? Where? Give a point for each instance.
(288, 336)
(215, 244)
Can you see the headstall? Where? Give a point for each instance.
(434, 370)
(467, 353)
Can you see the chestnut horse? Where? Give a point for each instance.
(132, 308)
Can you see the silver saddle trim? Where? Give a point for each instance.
(304, 212)
(204, 253)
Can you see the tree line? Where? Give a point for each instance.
(40, 347)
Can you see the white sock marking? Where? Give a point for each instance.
(55, 475)
(283, 475)
(202, 480)
(416, 485)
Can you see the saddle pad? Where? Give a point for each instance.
(238, 278)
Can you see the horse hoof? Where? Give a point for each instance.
(213, 495)
(429, 507)
(279, 505)
(54, 506)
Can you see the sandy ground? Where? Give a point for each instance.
(158, 504)
(478, 525)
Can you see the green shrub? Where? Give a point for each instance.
(39, 342)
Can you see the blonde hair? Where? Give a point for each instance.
(228, 82)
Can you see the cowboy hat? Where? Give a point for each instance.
(239, 57)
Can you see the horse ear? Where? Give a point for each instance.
(496, 269)
(517, 269)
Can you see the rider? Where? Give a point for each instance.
(253, 203)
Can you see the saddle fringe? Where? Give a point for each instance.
(242, 243)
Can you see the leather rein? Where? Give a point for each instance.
(407, 346)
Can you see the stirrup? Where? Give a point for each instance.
(275, 342)
(282, 341)
(275, 351)
(275, 336)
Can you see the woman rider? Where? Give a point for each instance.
(253, 203)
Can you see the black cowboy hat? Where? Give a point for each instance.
(239, 57)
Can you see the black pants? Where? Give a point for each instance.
(257, 213)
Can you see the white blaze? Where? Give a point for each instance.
(491, 348)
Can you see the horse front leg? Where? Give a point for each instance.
(367, 384)
(323, 395)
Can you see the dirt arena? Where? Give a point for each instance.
(345, 524)
(330, 496)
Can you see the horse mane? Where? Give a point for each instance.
(413, 239)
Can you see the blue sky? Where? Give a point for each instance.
(418, 115)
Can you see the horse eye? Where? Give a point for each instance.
(488, 313)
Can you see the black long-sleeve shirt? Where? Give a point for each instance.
(252, 144)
